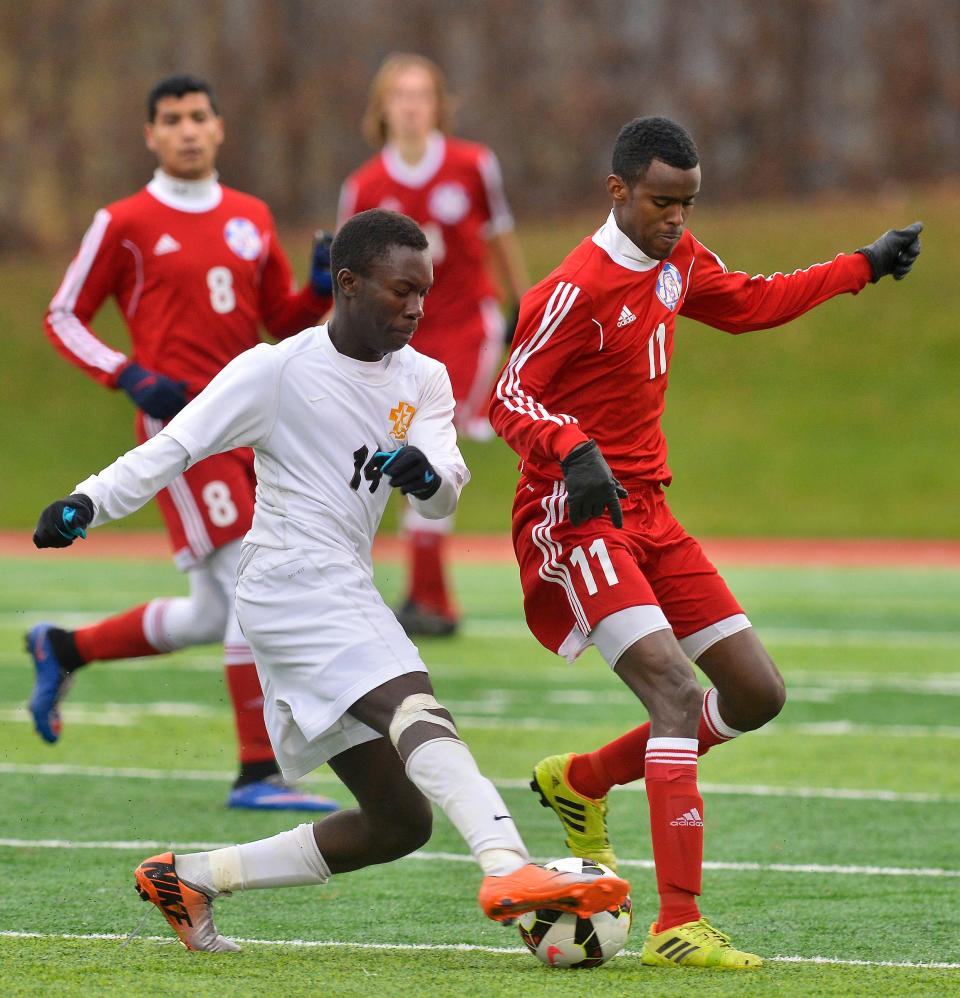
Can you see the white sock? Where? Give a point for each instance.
(714, 722)
(447, 774)
(290, 859)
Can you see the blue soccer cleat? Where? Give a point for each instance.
(50, 686)
(272, 794)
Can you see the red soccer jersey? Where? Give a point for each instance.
(455, 193)
(592, 351)
(195, 269)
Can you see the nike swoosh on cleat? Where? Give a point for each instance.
(502, 817)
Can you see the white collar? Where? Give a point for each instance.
(610, 238)
(374, 372)
(416, 174)
(186, 195)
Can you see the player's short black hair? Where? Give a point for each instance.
(368, 236)
(178, 86)
(645, 139)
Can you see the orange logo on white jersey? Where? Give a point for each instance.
(401, 415)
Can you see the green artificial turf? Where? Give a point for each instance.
(871, 662)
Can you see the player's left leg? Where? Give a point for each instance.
(714, 633)
(155, 628)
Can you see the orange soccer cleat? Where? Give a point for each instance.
(532, 887)
(189, 911)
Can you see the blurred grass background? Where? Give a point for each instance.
(842, 424)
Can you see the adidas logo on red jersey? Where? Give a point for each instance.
(691, 817)
(626, 317)
(165, 244)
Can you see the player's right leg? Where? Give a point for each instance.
(658, 672)
(443, 769)
(392, 819)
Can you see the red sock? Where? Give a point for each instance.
(428, 586)
(247, 697)
(623, 760)
(676, 827)
(116, 637)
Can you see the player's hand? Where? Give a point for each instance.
(408, 470)
(591, 487)
(321, 280)
(63, 521)
(895, 252)
(155, 394)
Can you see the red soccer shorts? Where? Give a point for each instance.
(574, 577)
(209, 505)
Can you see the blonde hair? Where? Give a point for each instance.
(374, 124)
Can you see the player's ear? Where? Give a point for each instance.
(617, 188)
(148, 136)
(347, 282)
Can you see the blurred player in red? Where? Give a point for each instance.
(602, 560)
(195, 268)
(453, 188)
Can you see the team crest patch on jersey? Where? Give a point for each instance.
(390, 203)
(448, 203)
(669, 285)
(243, 237)
(401, 414)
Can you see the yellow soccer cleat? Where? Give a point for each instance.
(695, 944)
(583, 819)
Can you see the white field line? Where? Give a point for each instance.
(515, 627)
(723, 789)
(117, 715)
(447, 948)
(817, 869)
(121, 715)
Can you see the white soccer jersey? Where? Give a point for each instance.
(314, 418)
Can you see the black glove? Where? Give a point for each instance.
(63, 521)
(408, 470)
(895, 252)
(591, 487)
(510, 325)
(321, 280)
(155, 394)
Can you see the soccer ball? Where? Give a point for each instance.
(561, 939)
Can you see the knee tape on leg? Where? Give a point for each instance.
(416, 708)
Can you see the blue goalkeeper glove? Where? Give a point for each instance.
(155, 394)
(63, 521)
(321, 280)
(408, 470)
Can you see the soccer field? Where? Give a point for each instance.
(831, 838)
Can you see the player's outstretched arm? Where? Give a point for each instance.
(895, 252)
(63, 521)
(591, 487)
